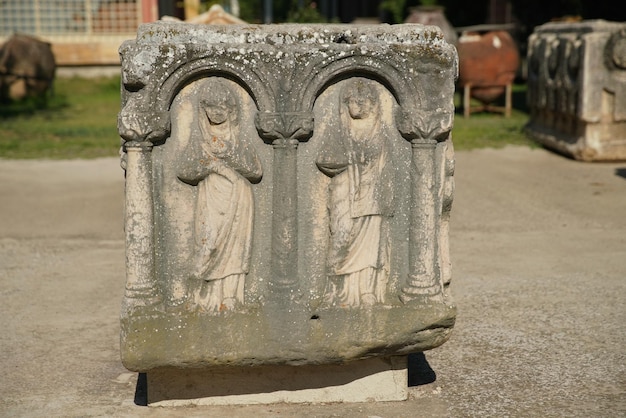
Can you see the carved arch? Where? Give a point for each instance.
(416, 118)
(403, 90)
(251, 80)
(146, 117)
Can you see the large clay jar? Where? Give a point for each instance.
(488, 62)
(432, 15)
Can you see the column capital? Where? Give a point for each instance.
(284, 126)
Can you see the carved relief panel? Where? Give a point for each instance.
(288, 195)
(575, 88)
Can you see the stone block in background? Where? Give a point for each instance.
(288, 192)
(577, 89)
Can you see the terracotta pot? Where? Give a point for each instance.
(433, 15)
(488, 62)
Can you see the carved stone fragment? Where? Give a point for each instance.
(577, 89)
(288, 194)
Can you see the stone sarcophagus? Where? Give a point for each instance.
(577, 88)
(288, 191)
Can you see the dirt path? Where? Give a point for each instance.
(539, 253)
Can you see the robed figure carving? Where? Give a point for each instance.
(222, 165)
(360, 199)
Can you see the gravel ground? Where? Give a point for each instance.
(539, 257)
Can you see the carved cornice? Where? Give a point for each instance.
(285, 72)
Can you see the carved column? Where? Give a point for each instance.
(447, 193)
(284, 265)
(285, 130)
(139, 227)
(424, 277)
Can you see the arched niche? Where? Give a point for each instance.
(175, 201)
(313, 188)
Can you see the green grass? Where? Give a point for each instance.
(492, 130)
(80, 121)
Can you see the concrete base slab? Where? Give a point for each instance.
(377, 379)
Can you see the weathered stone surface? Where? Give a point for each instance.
(577, 88)
(288, 191)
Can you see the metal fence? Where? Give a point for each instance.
(69, 19)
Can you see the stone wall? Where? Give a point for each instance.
(577, 89)
(288, 191)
